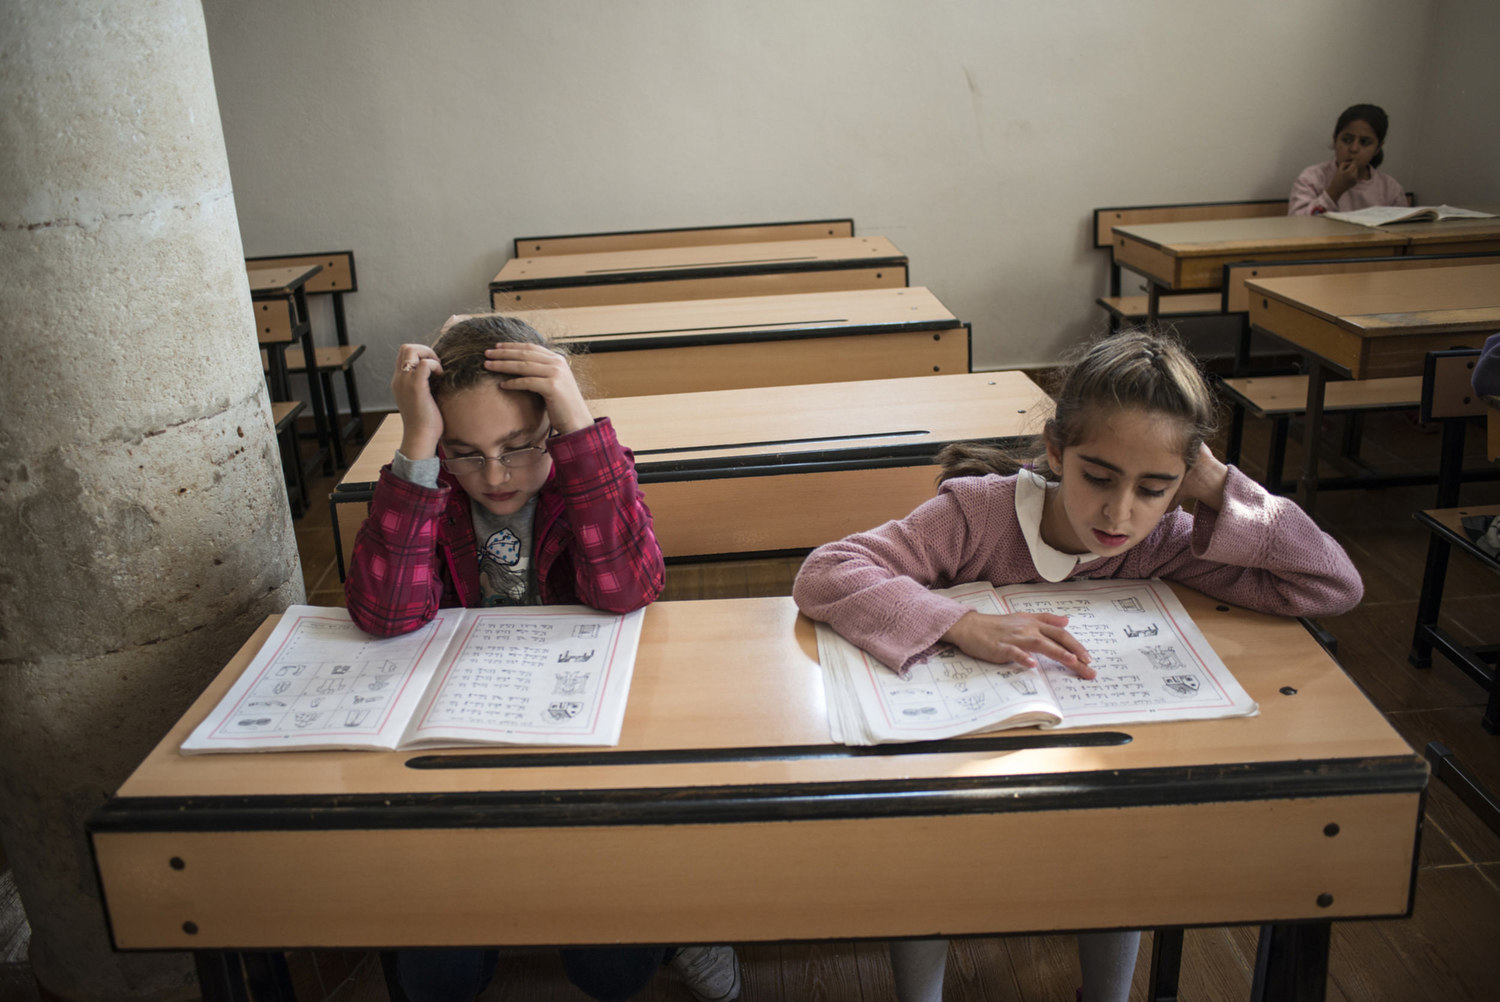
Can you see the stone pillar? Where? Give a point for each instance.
(144, 529)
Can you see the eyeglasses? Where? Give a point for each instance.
(512, 459)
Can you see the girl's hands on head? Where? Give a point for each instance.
(1204, 480)
(1017, 636)
(538, 370)
(421, 421)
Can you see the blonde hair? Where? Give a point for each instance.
(1136, 369)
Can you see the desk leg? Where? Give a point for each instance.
(315, 386)
(1166, 965)
(231, 976)
(1291, 963)
(1153, 303)
(1312, 434)
(220, 977)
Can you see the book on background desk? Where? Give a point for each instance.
(543, 675)
(1153, 664)
(1380, 215)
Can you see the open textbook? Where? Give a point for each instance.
(507, 675)
(1380, 215)
(1153, 664)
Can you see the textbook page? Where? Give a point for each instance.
(947, 695)
(1380, 215)
(531, 675)
(319, 681)
(1153, 664)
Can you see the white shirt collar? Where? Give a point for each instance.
(1051, 563)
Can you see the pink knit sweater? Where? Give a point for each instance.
(1309, 198)
(1261, 551)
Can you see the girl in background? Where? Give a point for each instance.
(1349, 181)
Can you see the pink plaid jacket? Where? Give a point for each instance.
(592, 543)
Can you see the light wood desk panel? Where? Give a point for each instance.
(724, 785)
(778, 468)
(1192, 255)
(595, 243)
(718, 344)
(706, 272)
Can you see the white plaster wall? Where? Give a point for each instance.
(977, 134)
(1459, 159)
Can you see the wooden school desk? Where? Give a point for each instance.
(777, 468)
(1186, 256)
(720, 344)
(349, 502)
(786, 468)
(1453, 236)
(279, 298)
(688, 236)
(707, 272)
(1371, 324)
(725, 815)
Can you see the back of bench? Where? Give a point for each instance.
(337, 275)
(696, 236)
(1236, 298)
(1448, 385)
(1105, 220)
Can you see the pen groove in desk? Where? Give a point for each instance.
(773, 753)
(728, 446)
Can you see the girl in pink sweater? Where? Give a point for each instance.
(1349, 181)
(1125, 448)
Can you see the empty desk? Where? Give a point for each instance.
(1186, 256)
(706, 272)
(1378, 323)
(689, 236)
(720, 344)
(779, 468)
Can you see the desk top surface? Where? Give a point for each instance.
(827, 418)
(742, 674)
(1451, 230)
(785, 422)
(895, 308)
(1417, 301)
(280, 281)
(772, 255)
(1208, 237)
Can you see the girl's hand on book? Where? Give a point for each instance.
(421, 421)
(535, 369)
(1016, 637)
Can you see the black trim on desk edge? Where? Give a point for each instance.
(594, 344)
(1105, 789)
(784, 464)
(692, 229)
(685, 273)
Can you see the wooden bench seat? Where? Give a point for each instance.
(1133, 309)
(1280, 398)
(332, 358)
